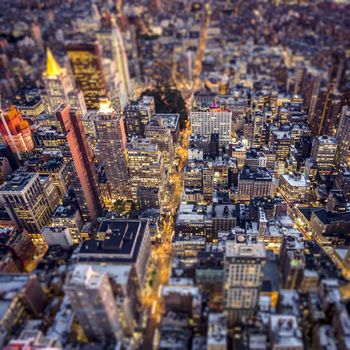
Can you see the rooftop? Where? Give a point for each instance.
(296, 180)
(122, 242)
(243, 250)
(285, 331)
(217, 330)
(18, 182)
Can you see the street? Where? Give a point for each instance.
(159, 273)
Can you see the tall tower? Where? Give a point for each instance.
(86, 63)
(91, 296)
(83, 161)
(59, 86)
(111, 145)
(325, 119)
(115, 62)
(343, 138)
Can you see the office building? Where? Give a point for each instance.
(57, 82)
(114, 56)
(119, 242)
(258, 121)
(58, 170)
(91, 296)
(292, 259)
(24, 199)
(111, 150)
(324, 150)
(326, 117)
(294, 188)
(212, 122)
(16, 132)
(82, 158)
(57, 236)
(224, 218)
(146, 167)
(171, 122)
(86, 62)
(343, 138)
(148, 198)
(70, 217)
(254, 184)
(137, 115)
(194, 219)
(243, 276)
(50, 192)
(158, 133)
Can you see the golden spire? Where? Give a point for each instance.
(52, 66)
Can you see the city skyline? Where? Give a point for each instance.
(175, 174)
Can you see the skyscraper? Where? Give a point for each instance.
(16, 132)
(145, 165)
(324, 150)
(86, 63)
(111, 150)
(325, 118)
(343, 137)
(83, 161)
(57, 82)
(114, 57)
(244, 262)
(26, 203)
(91, 296)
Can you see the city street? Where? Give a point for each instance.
(161, 254)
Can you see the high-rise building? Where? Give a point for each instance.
(137, 115)
(244, 271)
(114, 57)
(324, 150)
(86, 63)
(212, 122)
(24, 199)
(258, 120)
(91, 297)
(16, 132)
(111, 150)
(326, 116)
(58, 84)
(343, 138)
(158, 133)
(82, 158)
(145, 165)
(120, 242)
(309, 91)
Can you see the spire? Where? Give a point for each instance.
(52, 66)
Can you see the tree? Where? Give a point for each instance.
(168, 100)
